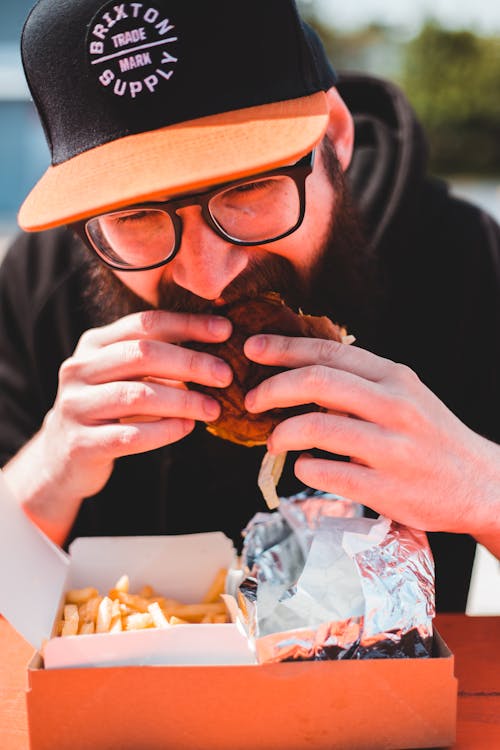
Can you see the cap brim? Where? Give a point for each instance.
(176, 159)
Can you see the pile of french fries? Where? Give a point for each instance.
(85, 611)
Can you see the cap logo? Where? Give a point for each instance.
(131, 48)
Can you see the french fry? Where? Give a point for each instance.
(86, 611)
(270, 472)
(177, 621)
(165, 604)
(86, 628)
(116, 617)
(125, 610)
(212, 618)
(217, 587)
(138, 621)
(104, 615)
(159, 619)
(134, 602)
(80, 596)
(195, 612)
(219, 618)
(122, 584)
(116, 625)
(71, 619)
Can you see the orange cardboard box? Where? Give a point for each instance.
(195, 686)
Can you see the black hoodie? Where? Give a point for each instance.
(439, 262)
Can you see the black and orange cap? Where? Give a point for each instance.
(143, 100)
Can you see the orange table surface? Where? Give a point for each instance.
(475, 642)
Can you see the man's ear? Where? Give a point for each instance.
(340, 128)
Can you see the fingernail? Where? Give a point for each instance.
(250, 400)
(219, 326)
(222, 373)
(211, 408)
(257, 344)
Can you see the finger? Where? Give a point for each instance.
(350, 480)
(334, 433)
(149, 358)
(117, 440)
(162, 326)
(332, 389)
(363, 485)
(118, 400)
(287, 351)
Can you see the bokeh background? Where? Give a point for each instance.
(444, 53)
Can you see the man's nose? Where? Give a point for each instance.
(205, 263)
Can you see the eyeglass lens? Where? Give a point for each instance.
(254, 211)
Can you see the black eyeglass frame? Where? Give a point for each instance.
(298, 172)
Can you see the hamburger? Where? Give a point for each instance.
(265, 313)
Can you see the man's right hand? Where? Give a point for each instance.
(122, 392)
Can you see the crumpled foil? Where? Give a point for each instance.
(322, 582)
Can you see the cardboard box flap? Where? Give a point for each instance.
(213, 644)
(33, 572)
(180, 567)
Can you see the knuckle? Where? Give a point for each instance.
(189, 400)
(69, 370)
(194, 363)
(317, 377)
(86, 340)
(68, 404)
(322, 475)
(314, 425)
(127, 438)
(75, 445)
(131, 395)
(148, 320)
(401, 452)
(65, 402)
(137, 352)
(175, 430)
(193, 320)
(327, 349)
(120, 442)
(404, 413)
(285, 344)
(405, 376)
(350, 482)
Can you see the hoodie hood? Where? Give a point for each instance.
(390, 154)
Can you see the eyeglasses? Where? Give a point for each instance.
(246, 212)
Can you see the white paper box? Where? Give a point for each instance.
(35, 573)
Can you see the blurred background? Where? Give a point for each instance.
(445, 54)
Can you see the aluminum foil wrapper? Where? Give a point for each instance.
(322, 582)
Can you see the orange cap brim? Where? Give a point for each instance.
(176, 159)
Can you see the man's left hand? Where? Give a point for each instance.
(411, 458)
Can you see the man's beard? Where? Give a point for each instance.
(341, 285)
